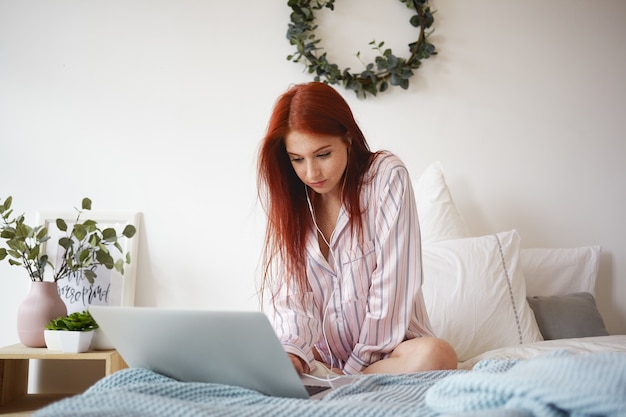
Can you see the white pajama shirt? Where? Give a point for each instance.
(366, 298)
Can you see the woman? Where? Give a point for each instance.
(342, 256)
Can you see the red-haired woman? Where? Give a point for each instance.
(342, 256)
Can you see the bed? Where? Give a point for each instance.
(529, 336)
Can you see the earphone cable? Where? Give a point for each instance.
(332, 295)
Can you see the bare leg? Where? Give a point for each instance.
(417, 355)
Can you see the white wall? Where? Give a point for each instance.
(158, 106)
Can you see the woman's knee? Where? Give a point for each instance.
(428, 354)
(443, 354)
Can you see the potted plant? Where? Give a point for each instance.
(85, 247)
(72, 333)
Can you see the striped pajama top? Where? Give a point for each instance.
(366, 298)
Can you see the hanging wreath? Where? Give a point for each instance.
(387, 69)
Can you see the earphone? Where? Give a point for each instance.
(332, 295)
(308, 200)
(328, 378)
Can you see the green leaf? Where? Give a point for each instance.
(33, 254)
(105, 259)
(395, 79)
(90, 275)
(91, 225)
(42, 233)
(84, 257)
(428, 19)
(109, 234)
(86, 205)
(7, 203)
(79, 231)
(23, 231)
(18, 246)
(43, 261)
(119, 266)
(129, 231)
(65, 242)
(3, 253)
(6, 214)
(61, 225)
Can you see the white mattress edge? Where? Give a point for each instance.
(612, 343)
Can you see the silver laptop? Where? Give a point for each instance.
(225, 347)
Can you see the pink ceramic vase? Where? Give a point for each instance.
(41, 305)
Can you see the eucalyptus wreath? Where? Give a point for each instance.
(387, 68)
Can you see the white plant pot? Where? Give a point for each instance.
(75, 342)
(52, 338)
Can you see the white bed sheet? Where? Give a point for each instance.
(612, 343)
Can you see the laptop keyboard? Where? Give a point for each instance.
(315, 389)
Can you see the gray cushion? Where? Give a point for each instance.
(567, 316)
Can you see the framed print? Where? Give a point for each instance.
(110, 288)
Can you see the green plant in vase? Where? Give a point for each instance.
(85, 247)
(24, 242)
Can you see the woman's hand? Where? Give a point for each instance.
(298, 363)
(318, 358)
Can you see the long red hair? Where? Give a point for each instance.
(308, 108)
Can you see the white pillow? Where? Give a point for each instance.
(438, 215)
(475, 293)
(560, 271)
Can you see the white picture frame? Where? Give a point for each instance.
(110, 287)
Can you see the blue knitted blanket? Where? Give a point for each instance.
(554, 385)
(139, 392)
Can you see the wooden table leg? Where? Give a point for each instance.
(13, 379)
(114, 363)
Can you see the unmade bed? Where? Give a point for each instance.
(560, 383)
(524, 322)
